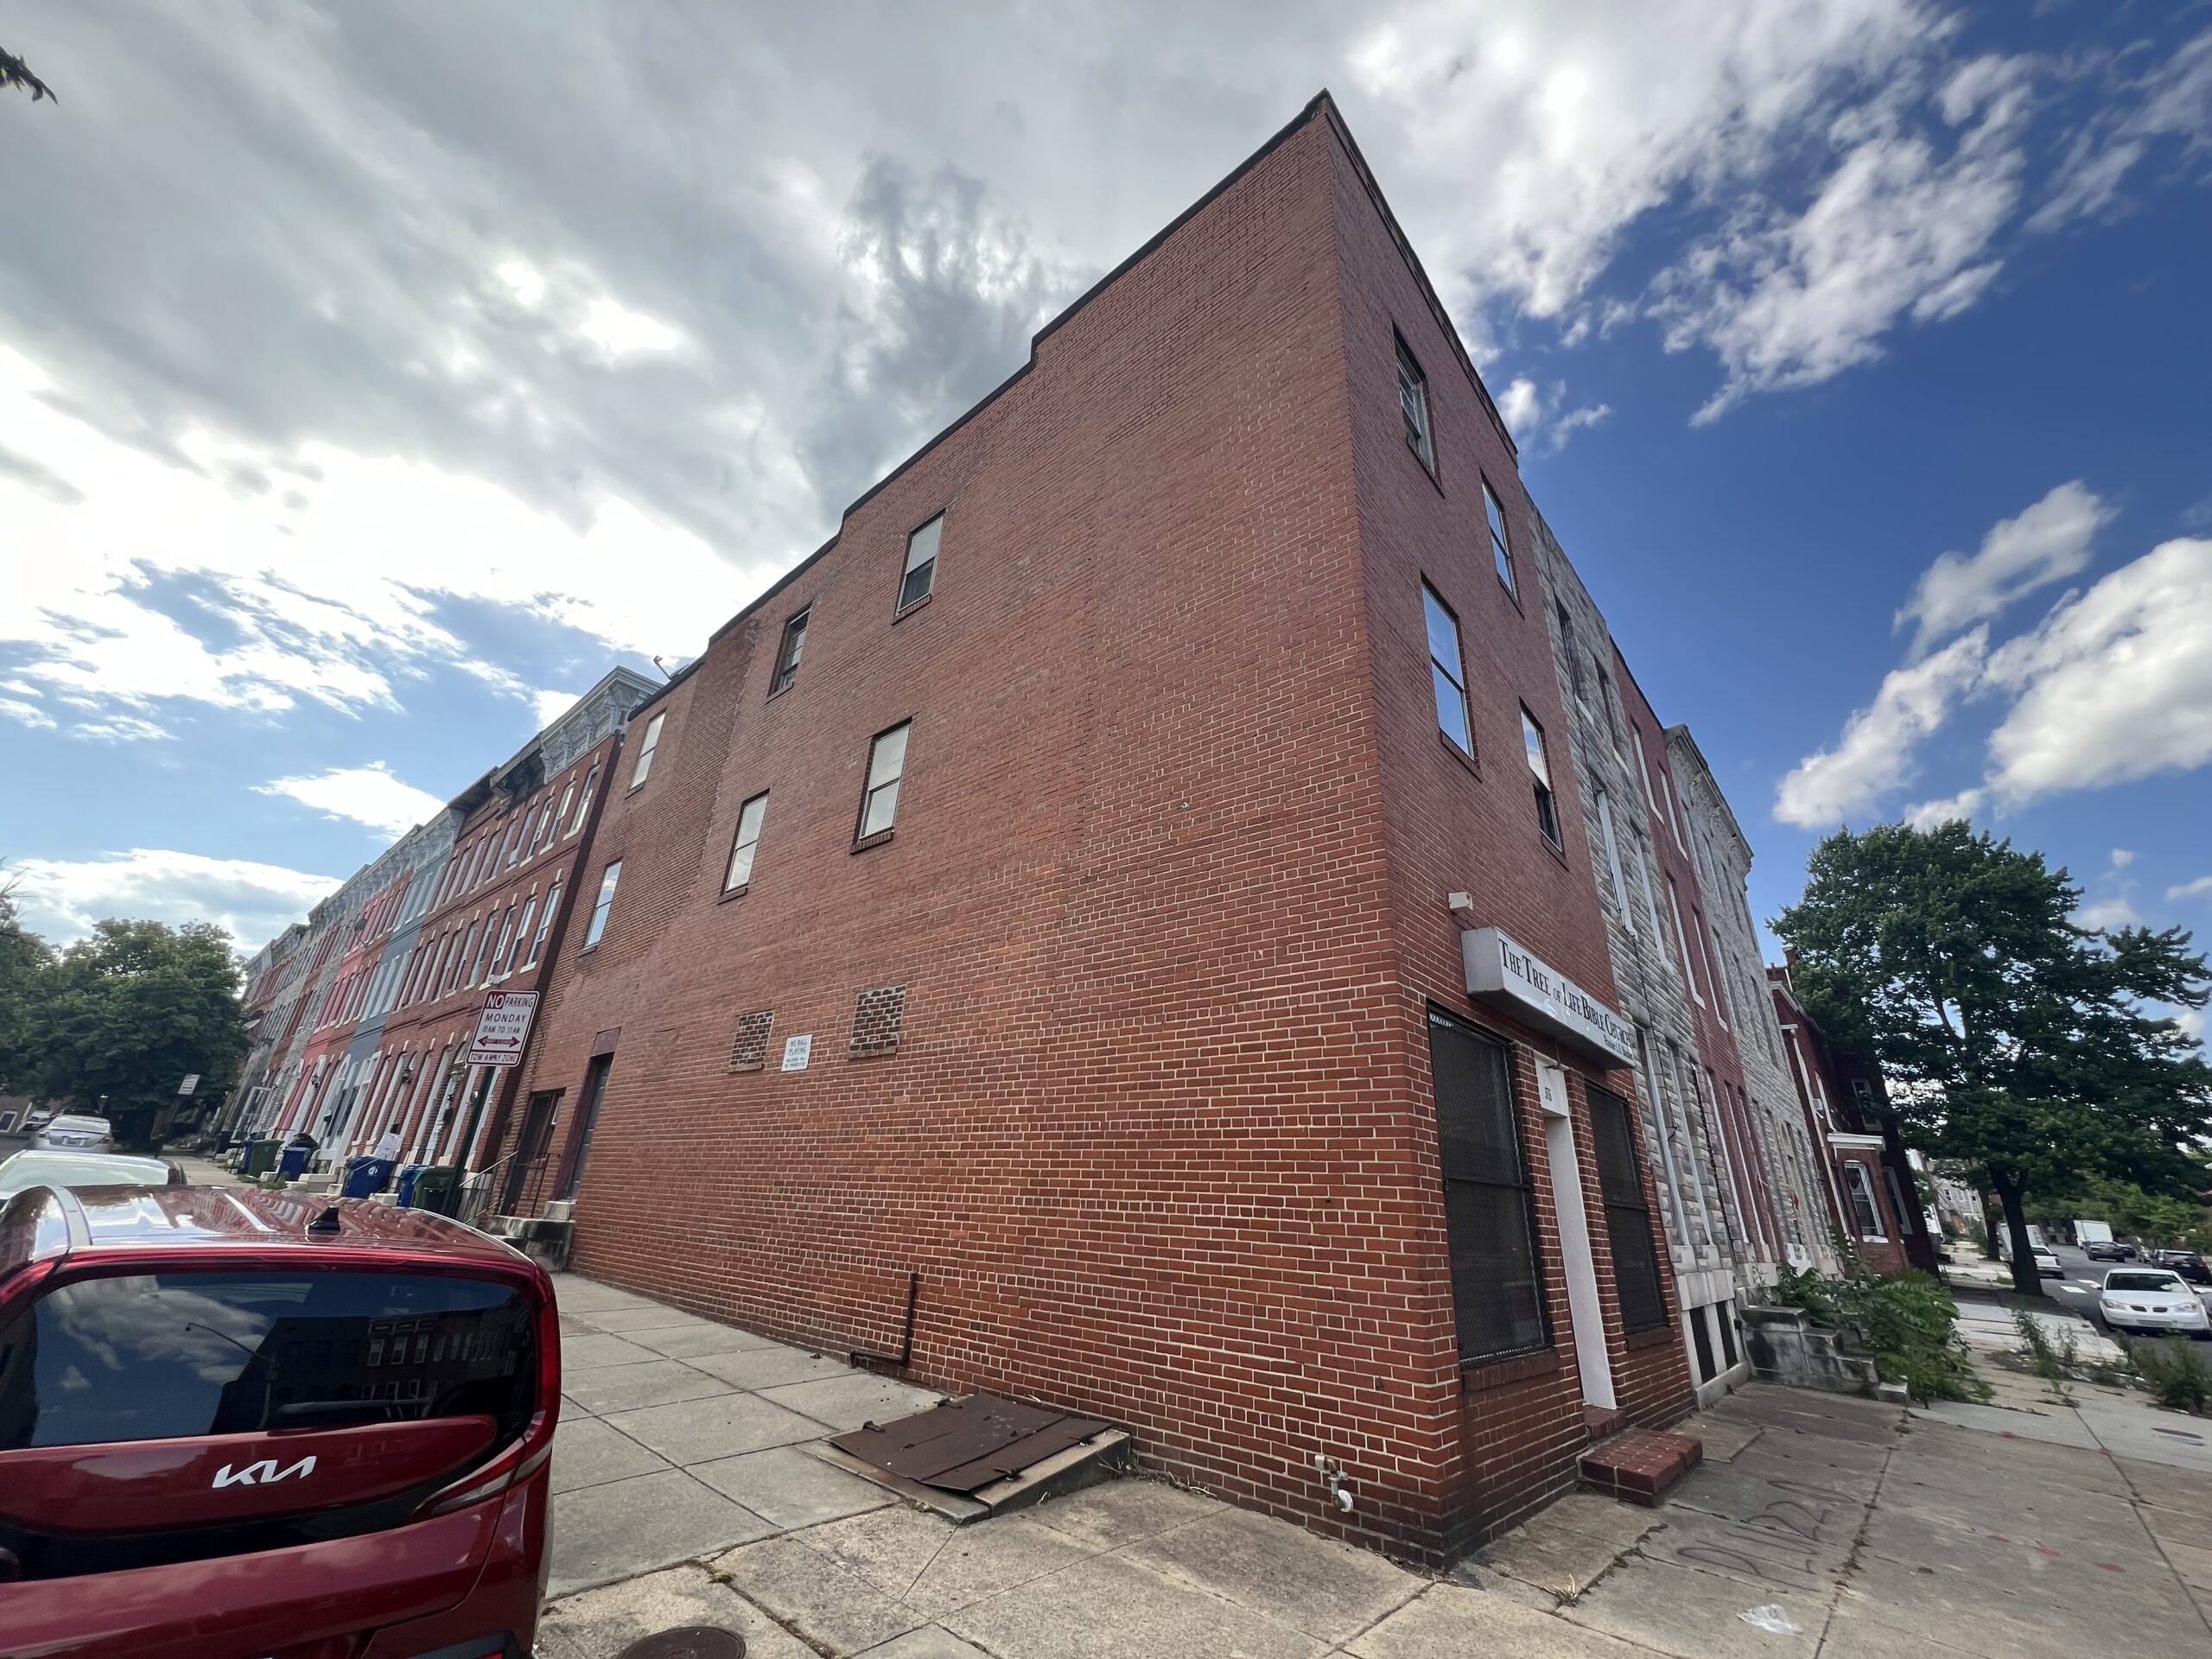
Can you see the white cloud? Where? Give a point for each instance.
(1520, 404)
(2172, 99)
(2121, 858)
(2115, 683)
(2046, 543)
(1928, 814)
(551, 705)
(2191, 1021)
(1525, 408)
(1875, 754)
(2108, 912)
(2200, 888)
(369, 795)
(26, 713)
(61, 899)
(122, 728)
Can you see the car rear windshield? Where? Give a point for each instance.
(161, 1355)
(2164, 1281)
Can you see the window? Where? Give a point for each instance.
(1673, 824)
(1445, 672)
(1613, 858)
(887, 763)
(748, 1048)
(1540, 769)
(551, 827)
(742, 843)
(1726, 1005)
(1413, 403)
(1628, 1216)
(1682, 940)
(1488, 1213)
(544, 922)
(1605, 696)
(460, 960)
(1572, 652)
(1501, 552)
(787, 653)
(501, 952)
(514, 842)
(920, 574)
(645, 749)
(522, 934)
(1643, 767)
(583, 802)
(1863, 1208)
(598, 923)
(1902, 1209)
(484, 953)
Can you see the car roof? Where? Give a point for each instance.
(81, 1117)
(117, 1222)
(36, 1165)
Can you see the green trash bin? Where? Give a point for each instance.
(436, 1189)
(260, 1157)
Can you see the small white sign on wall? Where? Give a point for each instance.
(797, 1051)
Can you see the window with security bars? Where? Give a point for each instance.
(748, 1049)
(1489, 1212)
(1628, 1214)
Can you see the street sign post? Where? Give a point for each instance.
(503, 1028)
(191, 1082)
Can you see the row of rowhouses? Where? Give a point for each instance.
(1180, 910)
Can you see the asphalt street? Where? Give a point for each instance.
(2077, 1292)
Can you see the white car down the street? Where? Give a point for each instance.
(2152, 1301)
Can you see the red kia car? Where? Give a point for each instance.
(232, 1423)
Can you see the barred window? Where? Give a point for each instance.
(748, 1049)
(1489, 1215)
(1628, 1215)
(878, 1015)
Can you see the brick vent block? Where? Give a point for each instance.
(748, 1049)
(1639, 1466)
(878, 1015)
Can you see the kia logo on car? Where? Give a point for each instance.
(262, 1473)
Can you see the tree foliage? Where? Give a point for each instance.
(24, 961)
(2016, 1040)
(126, 1014)
(14, 72)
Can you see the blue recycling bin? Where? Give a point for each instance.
(292, 1162)
(407, 1177)
(364, 1177)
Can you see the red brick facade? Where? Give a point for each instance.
(1119, 1037)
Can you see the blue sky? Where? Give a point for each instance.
(367, 388)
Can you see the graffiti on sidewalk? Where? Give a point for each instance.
(1779, 1543)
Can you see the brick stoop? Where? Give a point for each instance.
(1602, 1422)
(1639, 1466)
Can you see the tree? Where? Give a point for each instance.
(2021, 1043)
(128, 1012)
(14, 72)
(24, 962)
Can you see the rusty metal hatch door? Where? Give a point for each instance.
(963, 1445)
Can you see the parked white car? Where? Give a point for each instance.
(2152, 1301)
(76, 1169)
(2047, 1264)
(72, 1132)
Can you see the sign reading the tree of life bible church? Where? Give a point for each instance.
(1503, 972)
(502, 1028)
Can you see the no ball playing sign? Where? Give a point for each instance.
(503, 1028)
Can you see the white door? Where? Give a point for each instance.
(1583, 1306)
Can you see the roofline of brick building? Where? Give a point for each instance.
(1322, 104)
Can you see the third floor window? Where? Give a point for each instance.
(637, 773)
(787, 653)
(920, 574)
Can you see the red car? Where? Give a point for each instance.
(232, 1423)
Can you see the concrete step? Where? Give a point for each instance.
(1639, 1465)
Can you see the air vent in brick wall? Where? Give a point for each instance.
(748, 1050)
(877, 1015)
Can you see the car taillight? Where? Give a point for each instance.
(526, 1455)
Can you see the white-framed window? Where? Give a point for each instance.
(597, 926)
(1613, 858)
(742, 843)
(1643, 856)
(637, 773)
(1445, 672)
(583, 803)
(551, 827)
(1865, 1211)
(1540, 771)
(886, 766)
(522, 934)
(1501, 550)
(918, 578)
(1413, 403)
(1643, 767)
(545, 922)
(1682, 939)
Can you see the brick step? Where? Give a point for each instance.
(1639, 1465)
(1602, 1422)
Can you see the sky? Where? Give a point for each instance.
(374, 378)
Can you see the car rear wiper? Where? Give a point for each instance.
(301, 1413)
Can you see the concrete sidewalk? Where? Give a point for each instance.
(687, 1494)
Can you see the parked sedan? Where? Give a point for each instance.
(73, 1169)
(2152, 1301)
(2046, 1263)
(73, 1133)
(2108, 1249)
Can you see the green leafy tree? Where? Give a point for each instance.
(128, 1012)
(24, 963)
(2021, 1044)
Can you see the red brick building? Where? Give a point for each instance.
(1066, 886)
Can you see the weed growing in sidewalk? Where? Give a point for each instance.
(2174, 1371)
(2057, 1363)
(1907, 1319)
